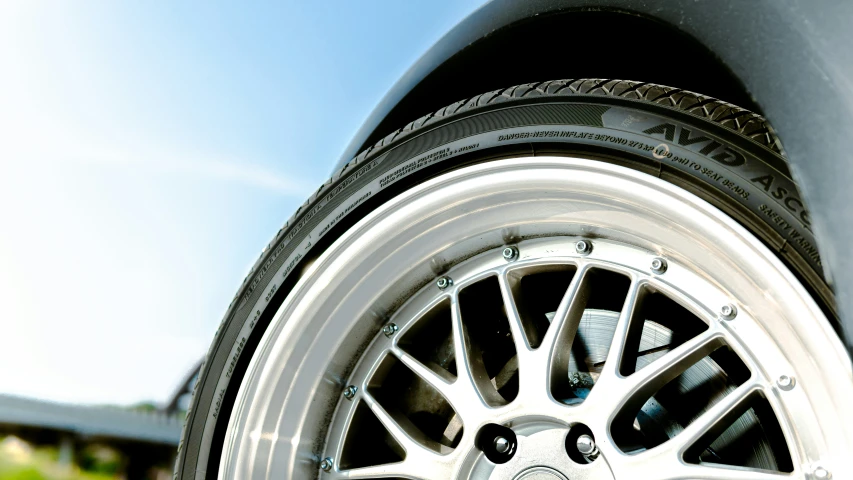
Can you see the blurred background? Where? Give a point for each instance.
(148, 152)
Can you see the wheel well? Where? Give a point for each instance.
(581, 43)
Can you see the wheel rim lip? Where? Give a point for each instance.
(269, 421)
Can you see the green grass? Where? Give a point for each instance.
(41, 464)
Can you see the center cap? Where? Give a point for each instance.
(540, 473)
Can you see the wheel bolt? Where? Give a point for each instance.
(497, 442)
(389, 329)
(658, 265)
(510, 253)
(444, 282)
(821, 473)
(349, 392)
(326, 464)
(785, 382)
(583, 247)
(501, 445)
(586, 445)
(728, 312)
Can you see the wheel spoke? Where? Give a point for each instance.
(440, 382)
(413, 442)
(673, 363)
(516, 325)
(609, 388)
(454, 392)
(530, 375)
(557, 344)
(701, 431)
(555, 338)
(464, 375)
(615, 392)
(549, 362)
(610, 369)
(470, 373)
(711, 423)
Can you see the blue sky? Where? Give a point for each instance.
(148, 152)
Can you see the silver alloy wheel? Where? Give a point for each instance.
(291, 412)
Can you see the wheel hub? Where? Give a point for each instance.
(542, 456)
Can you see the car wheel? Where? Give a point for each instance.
(570, 279)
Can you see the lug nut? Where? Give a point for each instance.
(390, 329)
(583, 247)
(586, 445)
(444, 282)
(501, 445)
(658, 265)
(510, 253)
(349, 392)
(728, 312)
(497, 442)
(326, 464)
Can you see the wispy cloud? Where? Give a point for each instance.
(249, 174)
(194, 166)
(204, 167)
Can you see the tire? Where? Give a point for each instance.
(724, 154)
